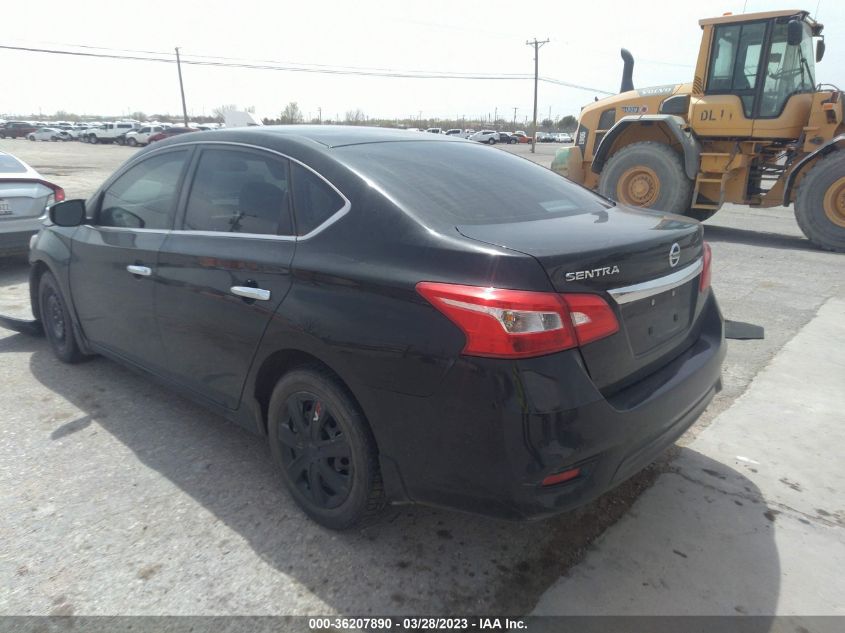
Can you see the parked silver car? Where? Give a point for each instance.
(24, 197)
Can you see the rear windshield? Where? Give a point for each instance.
(11, 165)
(467, 183)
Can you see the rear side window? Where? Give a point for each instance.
(236, 191)
(10, 165)
(314, 200)
(145, 196)
(465, 183)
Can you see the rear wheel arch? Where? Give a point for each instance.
(284, 361)
(803, 167)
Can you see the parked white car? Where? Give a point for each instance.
(141, 136)
(24, 197)
(563, 137)
(48, 134)
(434, 130)
(486, 136)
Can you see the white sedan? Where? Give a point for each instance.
(48, 134)
(24, 197)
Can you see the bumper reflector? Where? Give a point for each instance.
(559, 478)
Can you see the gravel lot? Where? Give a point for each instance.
(121, 497)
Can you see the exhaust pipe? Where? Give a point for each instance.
(627, 71)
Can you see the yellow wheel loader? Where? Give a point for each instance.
(752, 128)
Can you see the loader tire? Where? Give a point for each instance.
(820, 203)
(649, 175)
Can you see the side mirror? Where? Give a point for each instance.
(819, 50)
(794, 32)
(67, 213)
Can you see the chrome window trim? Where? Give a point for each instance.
(635, 292)
(254, 236)
(337, 215)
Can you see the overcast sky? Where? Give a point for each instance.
(435, 35)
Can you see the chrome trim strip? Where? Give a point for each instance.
(337, 215)
(646, 289)
(254, 236)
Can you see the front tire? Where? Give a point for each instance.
(131, 142)
(820, 204)
(56, 321)
(31, 137)
(93, 140)
(649, 175)
(324, 448)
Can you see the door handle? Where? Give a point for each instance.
(143, 271)
(250, 293)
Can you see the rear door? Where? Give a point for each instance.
(226, 269)
(113, 269)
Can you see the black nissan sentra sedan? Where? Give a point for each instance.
(407, 317)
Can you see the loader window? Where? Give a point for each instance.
(789, 71)
(735, 60)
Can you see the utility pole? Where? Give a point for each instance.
(320, 114)
(514, 117)
(181, 87)
(536, 46)
(495, 114)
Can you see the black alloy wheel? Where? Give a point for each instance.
(324, 448)
(315, 451)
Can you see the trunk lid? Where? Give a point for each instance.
(630, 257)
(22, 199)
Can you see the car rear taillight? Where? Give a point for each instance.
(501, 323)
(707, 256)
(58, 192)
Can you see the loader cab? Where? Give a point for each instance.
(755, 75)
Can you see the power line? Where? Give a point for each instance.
(207, 60)
(204, 60)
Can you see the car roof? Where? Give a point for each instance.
(326, 135)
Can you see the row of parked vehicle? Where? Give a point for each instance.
(131, 133)
(491, 137)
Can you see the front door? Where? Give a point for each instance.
(226, 269)
(113, 269)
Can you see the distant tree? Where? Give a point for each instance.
(316, 121)
(139, 116)
(547, 123)
(568, 123)
(291, 113)
(355, 117)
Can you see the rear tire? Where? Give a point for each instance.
(132, 142)
(93, 140)
(820, 203)
(331, 469)
(31, 137)
(649, 175)
(56, 320)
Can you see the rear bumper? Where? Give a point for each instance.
(14, 240)
(495, 429)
